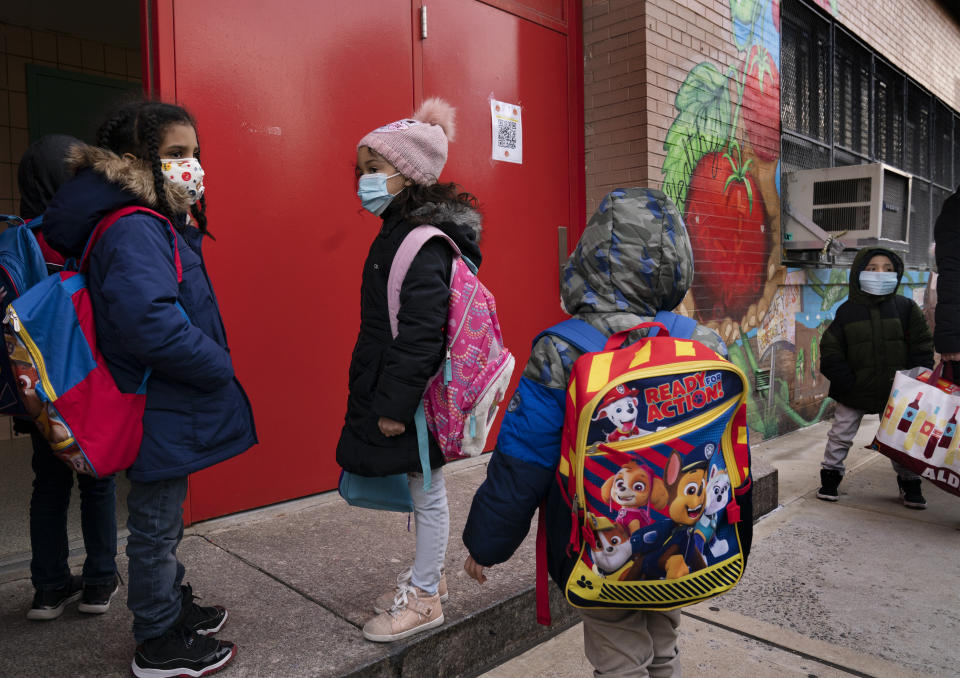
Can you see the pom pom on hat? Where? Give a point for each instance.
(416, 146)
(436, 111)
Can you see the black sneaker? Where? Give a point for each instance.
(203, 620)
(49, 604)
(829, 482)
(910, 493)
(96, 598)
(181, 652)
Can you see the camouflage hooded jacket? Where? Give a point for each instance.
(633, 260)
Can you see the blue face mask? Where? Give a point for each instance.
(372, 189)
(878, 283)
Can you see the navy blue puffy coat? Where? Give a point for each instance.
(197, 414)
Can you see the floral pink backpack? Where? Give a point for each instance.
(462, 399)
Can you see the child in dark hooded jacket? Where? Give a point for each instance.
(42, 171)
(149, 314)
(875, 333)
(633, 260)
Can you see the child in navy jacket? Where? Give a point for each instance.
(633, 260)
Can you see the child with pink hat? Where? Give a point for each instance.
(398, 168)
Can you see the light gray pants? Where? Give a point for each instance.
(631, 644)
(432, 517)
(846, 423)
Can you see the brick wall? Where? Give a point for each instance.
(20, 46)
(637, 53)
(918, 36)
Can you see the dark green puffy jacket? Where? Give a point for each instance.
(870, 339)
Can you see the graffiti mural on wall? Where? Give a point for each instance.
(722, 168)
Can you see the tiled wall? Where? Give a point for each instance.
(20, 46)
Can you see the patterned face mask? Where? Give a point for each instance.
(185, 172)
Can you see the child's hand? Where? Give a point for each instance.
(389, 427)
(474, 570)
(950, 356)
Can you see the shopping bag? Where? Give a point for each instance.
(384, 493)
(918, 428)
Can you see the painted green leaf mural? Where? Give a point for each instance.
(701, 127)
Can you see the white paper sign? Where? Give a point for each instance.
(507, 131)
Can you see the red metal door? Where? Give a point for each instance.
(281, 93)
(475, 51)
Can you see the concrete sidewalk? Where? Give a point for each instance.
(863, 587)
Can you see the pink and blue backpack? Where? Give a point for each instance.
(65, 384)
(462, 399)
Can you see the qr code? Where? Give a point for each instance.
(506, 134)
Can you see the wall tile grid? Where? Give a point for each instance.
(20, 46)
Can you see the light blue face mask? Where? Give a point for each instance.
(878, 283)
(372, 189)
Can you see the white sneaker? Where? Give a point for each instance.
(385, 601)
(413, 611)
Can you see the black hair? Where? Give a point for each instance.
(138, 128)
(417, 195)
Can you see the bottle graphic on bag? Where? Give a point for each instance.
(890, 426)
(950, 430)
(950, 439)
(930, 427)
(920, 422)
(887, 421)
(909, 414)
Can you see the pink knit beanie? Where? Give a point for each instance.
(416, 146)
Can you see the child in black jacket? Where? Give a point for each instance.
(874, 334)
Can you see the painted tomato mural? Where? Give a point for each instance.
(725, 212)
(721, 167)
(761, 103)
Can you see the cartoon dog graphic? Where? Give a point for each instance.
(629, 489)
(612, 550)
(717, 498)
(620, 407)
(668, 546)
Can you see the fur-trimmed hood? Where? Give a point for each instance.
(449, 212)
(134, 176)
(102, 182)
(461, 222)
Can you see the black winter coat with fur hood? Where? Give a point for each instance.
(388, 376)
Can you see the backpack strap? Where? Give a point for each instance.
(112, 218)
(578, 333)
(402, 260)
(679, 326)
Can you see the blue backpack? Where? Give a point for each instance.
(22, 266)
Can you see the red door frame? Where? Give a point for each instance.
(159, 77)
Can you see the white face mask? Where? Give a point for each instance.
(184, 172)
(878, 283)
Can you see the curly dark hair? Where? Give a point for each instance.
(417, 195)
(138, 128)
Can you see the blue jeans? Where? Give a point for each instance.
(52, 485)
(156, 528)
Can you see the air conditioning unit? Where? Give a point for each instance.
(859, 205)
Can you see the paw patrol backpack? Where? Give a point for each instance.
(654, 458)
